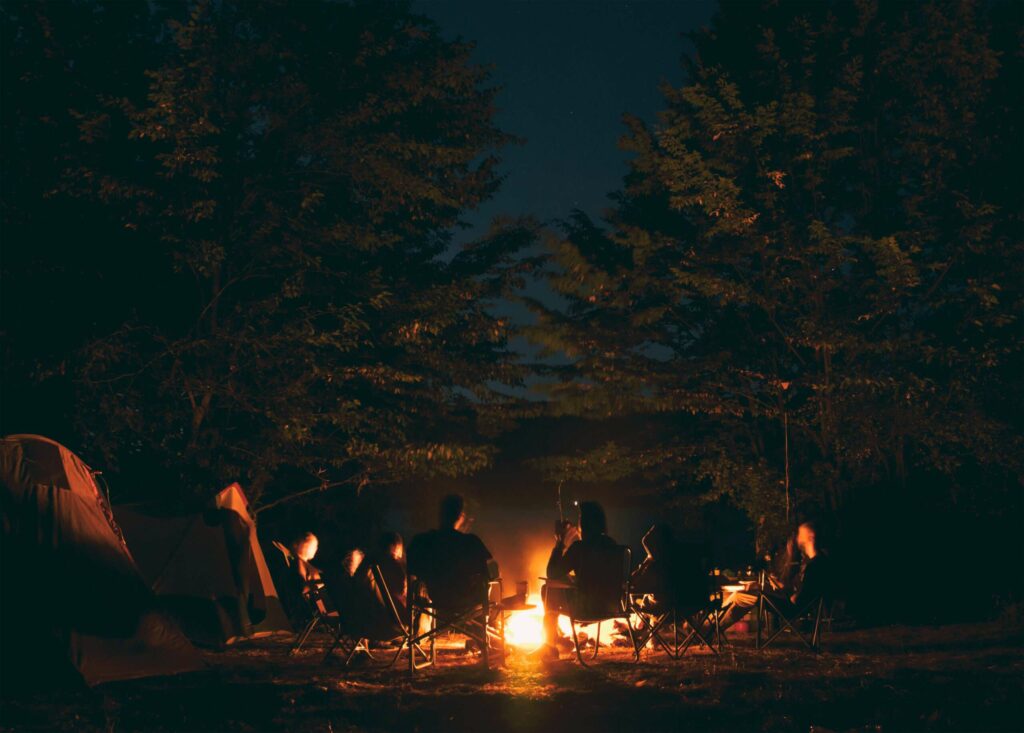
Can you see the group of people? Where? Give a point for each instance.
(454, 566)
(448, 560)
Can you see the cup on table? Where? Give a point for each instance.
(522, 589)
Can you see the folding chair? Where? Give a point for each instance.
(389, 627)
(476, 620)
(306, 601)
(588, 606)
(657, 625)
(813, 611)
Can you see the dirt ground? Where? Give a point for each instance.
(952, 678)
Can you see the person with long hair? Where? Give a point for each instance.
(584, 561)
(304, 549)
(801, 573)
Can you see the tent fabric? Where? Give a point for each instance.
(70, 594)
(208, 569)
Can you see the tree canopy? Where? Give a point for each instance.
(269, 192)
(818, 243)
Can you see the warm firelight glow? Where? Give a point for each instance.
(525, 629)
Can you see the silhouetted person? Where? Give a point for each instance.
(450, 561)
(813, 580)
(672, 575)
(366, 605)
(585, 562)
(390, 558)
(304, 549)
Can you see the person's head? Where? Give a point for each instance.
(592, 520)
(806, 539)
(305, 546)
(452, 512)
(391, 545)
(658, 541)
(353, 560)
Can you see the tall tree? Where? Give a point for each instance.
(816, 255)
(298, 171)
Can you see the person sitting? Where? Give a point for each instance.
(452, 562)
(390, 558)
(653, 578)
(584, 562)
(793, 591)
(365, 607)
(304, 549)
(671, 576)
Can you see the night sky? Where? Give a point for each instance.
(568, 72)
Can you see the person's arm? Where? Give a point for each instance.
(568, 562)
(554, 559)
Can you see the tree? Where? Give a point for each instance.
(816, 257)
(297, 172)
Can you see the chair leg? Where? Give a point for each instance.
(304, 635)
(501, 630)
(816, 634)
(334, 645)
(720, 637)
(597, 640)
(352, 654)
(576, 641)
(433, 641)
(760, 620)
(633, 640)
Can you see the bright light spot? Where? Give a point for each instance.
(525, 629)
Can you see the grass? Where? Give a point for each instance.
(951, 678)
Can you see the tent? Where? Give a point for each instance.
(207, 568)
(72, 601)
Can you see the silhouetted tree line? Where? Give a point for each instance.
(815, 269)
(228, 253)
(229, 240)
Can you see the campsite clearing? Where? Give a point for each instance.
(965, 678)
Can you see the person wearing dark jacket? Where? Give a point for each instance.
(451, 562)
(672, 575)
(583, 562)
(814, 580)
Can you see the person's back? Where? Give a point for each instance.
(673, 572)
(597, 563)
(815, 580)
(390, 558)
(688, 586)
(452, 563)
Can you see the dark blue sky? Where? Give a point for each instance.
(569, 71)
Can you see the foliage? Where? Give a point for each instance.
(822, 230)
(290, 175)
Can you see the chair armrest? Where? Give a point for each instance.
(560, 584)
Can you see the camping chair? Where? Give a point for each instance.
(812, 612)
(589, 606)
(476, 620)
(671, 620)
(309, 604)
(389, 626)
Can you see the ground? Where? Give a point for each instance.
(952, 678)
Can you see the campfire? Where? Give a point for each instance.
(524, 629)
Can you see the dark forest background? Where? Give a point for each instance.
(228, 254)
